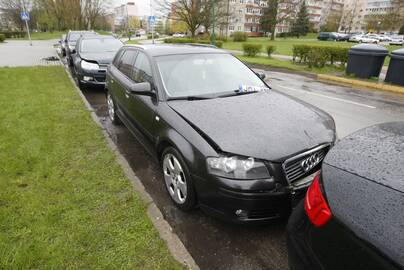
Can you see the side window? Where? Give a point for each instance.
(126, 62)
(142, 70)
(117, 58)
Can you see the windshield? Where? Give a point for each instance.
(100, 45)
(74, 37)
(205, 74)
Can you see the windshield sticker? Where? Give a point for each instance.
(252, 88)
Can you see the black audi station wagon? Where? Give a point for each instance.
(226, 142)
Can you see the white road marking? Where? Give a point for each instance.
(324, 96)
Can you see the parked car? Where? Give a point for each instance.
(327, 36)
(363, 39)
(62, 43)
(92, 56)
(397, 40)
(178, 35)
(71, 40)
(225, 141)
(342, 37)
(352, 216)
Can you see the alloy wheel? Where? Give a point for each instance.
(175, 179)
(111, 107)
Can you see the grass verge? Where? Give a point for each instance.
(64, 201)
(285, 64)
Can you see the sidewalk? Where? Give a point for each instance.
(17, 53)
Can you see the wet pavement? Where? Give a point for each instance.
(218, 245)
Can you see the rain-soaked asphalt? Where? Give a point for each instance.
(218, 245)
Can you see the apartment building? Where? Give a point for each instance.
(356, 11)
(318, 11)
(244, 16)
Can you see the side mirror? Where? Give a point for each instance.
(73, 51)
(261, 75)
(143, 88)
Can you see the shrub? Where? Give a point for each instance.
(149, 36)
(13, 34)
(270, 50)
(300, 51)
(251, 49)
(2, 37)
(239, 36)
(318, 56)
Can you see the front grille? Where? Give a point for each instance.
(294, 169)
(100, 78)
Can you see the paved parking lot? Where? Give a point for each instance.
(14, 53)
(217, 245)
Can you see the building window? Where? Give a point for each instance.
(231, 27)
(239, 28)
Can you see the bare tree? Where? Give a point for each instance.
(276, 12)
(195, 13)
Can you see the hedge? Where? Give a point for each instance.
(2, 37)
(251, 49)
(218, 43)
(319, 56)
(239, 36)
(13, 34)
(270, 49)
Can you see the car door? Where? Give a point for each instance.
(120, 79)
(141, 108)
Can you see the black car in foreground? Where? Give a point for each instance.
(92, 57)
(224, 139)
(353, 213)
(70, 43)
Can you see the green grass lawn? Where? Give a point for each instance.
(45, 35)
(284, 46)
(132, 42)
(285, 64)
(64, 201)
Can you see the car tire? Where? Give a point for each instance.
(178, 180)
(113, 116)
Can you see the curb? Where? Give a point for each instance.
(373, 85)
(174, 244)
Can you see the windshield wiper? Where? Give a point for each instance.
(237, 93)
(189, 98)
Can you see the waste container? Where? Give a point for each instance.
(366, 60)
(395, 73)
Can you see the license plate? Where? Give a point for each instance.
(304, 182)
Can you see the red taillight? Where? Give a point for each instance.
(315, 204)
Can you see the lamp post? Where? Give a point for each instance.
(213, 38)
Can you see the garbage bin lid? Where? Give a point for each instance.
(371, 49)
(399, 52)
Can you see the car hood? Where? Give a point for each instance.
(100, 58)
(265, 125)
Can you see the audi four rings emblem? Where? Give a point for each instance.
(309, 163)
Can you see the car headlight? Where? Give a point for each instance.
(237, 167)
(89, 66)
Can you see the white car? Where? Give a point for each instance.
(179, 35)
(397, 40)
(364, 39)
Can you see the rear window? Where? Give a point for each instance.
(100, 45)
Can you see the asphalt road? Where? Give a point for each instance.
(218, 245)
